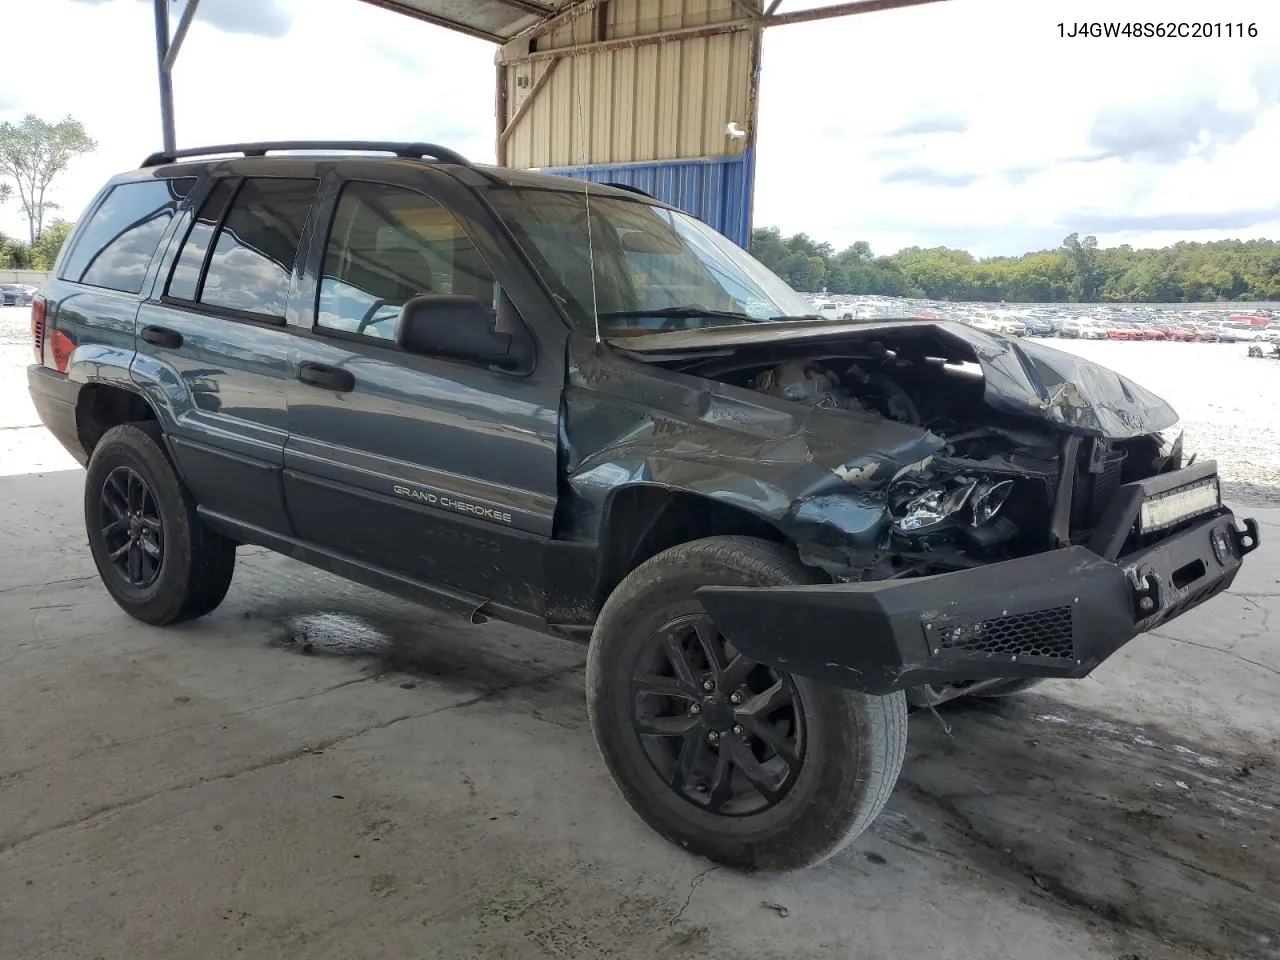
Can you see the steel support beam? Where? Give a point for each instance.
(166, 80)
(525, 105)
(571, 11)
(641, 40)
(839, 10)
(184, 24)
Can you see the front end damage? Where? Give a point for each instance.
(1054, 614)
(983, 509)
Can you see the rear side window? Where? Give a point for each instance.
(388, 244)
(185, 282)
(251, 261)
(117, 244)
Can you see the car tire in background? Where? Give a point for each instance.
(157, 559)
(737, 762)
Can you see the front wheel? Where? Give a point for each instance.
(736, 761)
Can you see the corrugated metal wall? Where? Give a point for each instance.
(661, 101)
(716, 190)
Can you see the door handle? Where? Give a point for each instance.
(323, 375)
(162, 336)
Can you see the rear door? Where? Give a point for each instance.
(440, 470)
(215, 342)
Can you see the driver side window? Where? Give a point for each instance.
(388, 244)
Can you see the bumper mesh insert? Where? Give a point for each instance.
(1040, 633)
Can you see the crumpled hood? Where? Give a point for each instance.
(1021, 377)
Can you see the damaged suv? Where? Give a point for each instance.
(578, 409)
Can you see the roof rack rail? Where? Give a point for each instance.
(415, 151)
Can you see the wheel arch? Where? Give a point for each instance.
(640, 520)
(103, 405)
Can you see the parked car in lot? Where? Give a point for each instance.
(1223, 331)
(830, 310)
(1036, 327)
(1084, 330)
(1245, 332)
(16, 295)
(446, 381)
(1173, 331)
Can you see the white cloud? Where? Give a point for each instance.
(970, 123)
(1192, 125)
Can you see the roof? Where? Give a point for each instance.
(502, 20)
(496, 20)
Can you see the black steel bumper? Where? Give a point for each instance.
(55, 397)
(1054, 614)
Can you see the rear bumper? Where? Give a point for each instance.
(55, 397)
(1054, 614)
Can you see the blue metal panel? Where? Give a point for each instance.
(716, 190)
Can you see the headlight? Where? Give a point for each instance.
(919, 507)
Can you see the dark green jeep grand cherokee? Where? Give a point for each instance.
(579, 409)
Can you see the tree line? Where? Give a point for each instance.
(1077, 271)
(34, 153)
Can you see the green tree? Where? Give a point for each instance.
(1077, 270)
(44, 252)
(1084, 257)
(33, 153)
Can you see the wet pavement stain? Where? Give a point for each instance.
(421, 646)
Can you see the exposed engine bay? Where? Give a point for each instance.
(991, 492)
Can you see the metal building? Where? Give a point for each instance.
(657, 94)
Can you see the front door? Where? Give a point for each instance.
(438, 470)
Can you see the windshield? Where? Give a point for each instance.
(655, 269)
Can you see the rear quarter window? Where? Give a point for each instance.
(115, 248)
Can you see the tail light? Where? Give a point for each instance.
(39, 311)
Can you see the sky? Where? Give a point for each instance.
(966, 123)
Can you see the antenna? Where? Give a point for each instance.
(586, 193)
(591, 258)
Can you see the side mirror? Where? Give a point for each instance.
(462, 328)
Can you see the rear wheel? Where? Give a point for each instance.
(157, 559)
(732, 759)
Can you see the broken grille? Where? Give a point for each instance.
(1092, 492)
(1040, 633)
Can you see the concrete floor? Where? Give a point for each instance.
(318, 770)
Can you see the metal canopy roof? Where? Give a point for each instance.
(503, 20)
(495, 20)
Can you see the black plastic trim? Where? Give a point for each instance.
(884, 636)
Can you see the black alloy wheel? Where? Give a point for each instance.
(726, 733)
(132, 529)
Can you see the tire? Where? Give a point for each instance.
(192, 572)
(847, 748)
